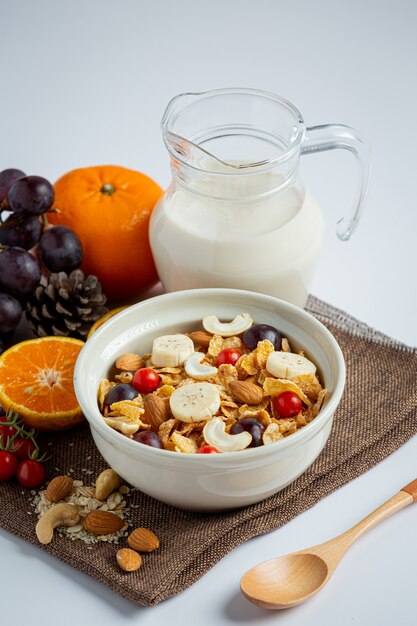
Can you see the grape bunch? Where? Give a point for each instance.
(28, 245)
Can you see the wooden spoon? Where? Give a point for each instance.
(288, 580)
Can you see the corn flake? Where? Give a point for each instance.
(275, 386)
(166, 428)
(262, 351)
(254, 408)
(186, 445)
(165, 391)
(127, 408)
(104, 388)
(271, 434)
(249, 364)
(226, 373)
(233, 342)
(215, 346)
(309, 384)
(313, 411)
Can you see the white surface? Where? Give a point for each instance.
(85, 83)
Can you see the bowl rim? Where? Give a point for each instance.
(299, 437)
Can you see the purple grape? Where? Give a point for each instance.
(149, 439)
(60, 249)
(119, 393)
(31, 195)
(19, 272)
(10, 313)
(259, 332)
(252, 426)
(20, 232)
(7, 180)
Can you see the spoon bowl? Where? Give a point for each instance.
(286, 581)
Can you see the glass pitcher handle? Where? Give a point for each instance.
(330, 137)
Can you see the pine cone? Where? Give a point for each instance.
(68, 305)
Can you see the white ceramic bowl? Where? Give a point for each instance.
(207, 482)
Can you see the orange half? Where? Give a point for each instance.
(36, 381)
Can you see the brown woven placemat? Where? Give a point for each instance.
(378, 413)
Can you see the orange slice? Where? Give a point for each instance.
(103, 319)
(36, 381)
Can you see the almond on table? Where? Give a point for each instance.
(227, 386)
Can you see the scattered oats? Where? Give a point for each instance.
(70, 444)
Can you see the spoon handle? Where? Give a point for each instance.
(340, 544)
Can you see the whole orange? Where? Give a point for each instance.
(109, 207)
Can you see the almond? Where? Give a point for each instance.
(143, 539)
(246, 392)
(59, 488)
(200, 337)
(156, 411)
(103, 523)
(128, 560)
(129, 362)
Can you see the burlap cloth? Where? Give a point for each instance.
(378, 413)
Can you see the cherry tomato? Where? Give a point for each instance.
(207, 450)
(228, 355)
(23, 448)
(6, 432)
(30, 473)
(8, 464)
(288, 404)
(146, 380)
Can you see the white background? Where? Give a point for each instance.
(85, 83)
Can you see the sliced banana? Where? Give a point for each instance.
(289, 365)
(215, 435)
(171, 350)
(195, 402)
(242, 322)
(195, 369)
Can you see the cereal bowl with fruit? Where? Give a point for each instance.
(210, 399)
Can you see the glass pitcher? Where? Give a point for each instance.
(236, 213)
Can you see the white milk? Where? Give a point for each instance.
(270, 245)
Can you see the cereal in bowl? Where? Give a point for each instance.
(223, 388)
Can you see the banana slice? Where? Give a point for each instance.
(215, 435)
(195, 402)
(171, 350)
(194, 368)
(289, 365)
(242, 322)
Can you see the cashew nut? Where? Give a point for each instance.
(194, 368)
(62, 514)
(215, 435)
(120, 424)
(106, 482)
(242, 322)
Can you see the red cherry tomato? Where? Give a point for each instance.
(207, 450)
(8, 464)
(288, 404)
(30, 473)
(228, 355)
(6, 432)
(23, 448)
(146, 380)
